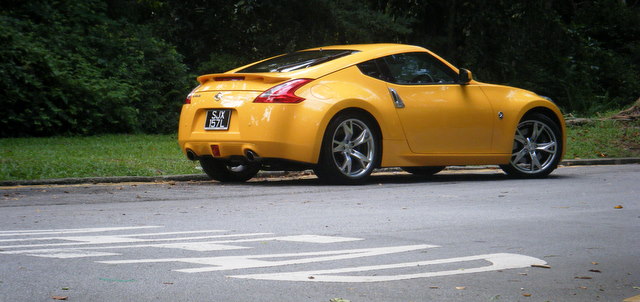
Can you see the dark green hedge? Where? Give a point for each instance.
(66, 68)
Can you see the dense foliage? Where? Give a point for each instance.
(90, 66)
(67, 68)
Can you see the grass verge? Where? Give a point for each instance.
(604, 138)
(94, 156)
(152, 155)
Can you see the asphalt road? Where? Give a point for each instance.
(472, 235)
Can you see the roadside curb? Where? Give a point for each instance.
(601, 161)
(270, 174)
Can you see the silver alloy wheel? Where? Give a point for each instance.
(353, 148)
(535, 147)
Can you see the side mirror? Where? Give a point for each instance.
(464, 77)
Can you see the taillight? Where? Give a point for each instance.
(283, 93)
(188, 99)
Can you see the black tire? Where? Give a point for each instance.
(223, 172)
(537, 147)
(351, 149)
(424, 171)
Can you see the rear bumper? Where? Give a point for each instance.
(284, 131)
(249, 150)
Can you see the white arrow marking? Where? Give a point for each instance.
(253, 261)
(498, 262)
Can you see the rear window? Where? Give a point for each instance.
(296, 60)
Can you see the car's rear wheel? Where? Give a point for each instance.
(537, 147)
(350, 149)
(224, 172)
(424, 171)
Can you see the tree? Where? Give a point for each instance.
(67, 68)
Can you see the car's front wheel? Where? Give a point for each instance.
(350, 150)
(537, 147)
(224, 172)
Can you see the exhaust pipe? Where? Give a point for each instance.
(251, 156)
(191, 155)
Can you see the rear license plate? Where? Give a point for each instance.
(217, 119)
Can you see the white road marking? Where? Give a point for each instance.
(77, 250)
(67, 243)
(201, 246)
(70, 231)
(173, 233)
(86, 251)
(317, 239)
(93, 240)
(69, 253)
(81, 238)
(253, 261)
(500, 261)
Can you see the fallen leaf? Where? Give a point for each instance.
(60, 297)
(595, 271)
(311, 277)
(540, 266)
(583, 277)
(618, 207)
(167, 283)
(594, 263)
(433, 287)
(461, 287)
(65, 288)
(526, 295)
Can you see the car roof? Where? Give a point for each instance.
(365, 52)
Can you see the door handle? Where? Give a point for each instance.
(397, 101)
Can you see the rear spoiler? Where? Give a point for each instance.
(266, 78)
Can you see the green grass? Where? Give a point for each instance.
(95, 156)
(152, 155)
(606, 138)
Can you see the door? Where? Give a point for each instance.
(438, 115)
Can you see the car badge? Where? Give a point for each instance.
(218, 97)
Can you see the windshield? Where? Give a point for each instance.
(296, 60)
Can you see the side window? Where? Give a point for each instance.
(418, 68)
(376, 69)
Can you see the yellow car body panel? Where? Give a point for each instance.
(439, 125)
(514, 103)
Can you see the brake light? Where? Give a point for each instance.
(188, 99)
(283, 93)
(229, 79)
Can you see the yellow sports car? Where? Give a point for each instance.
(348, 109)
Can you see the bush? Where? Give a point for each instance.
(66, 68)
